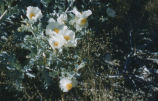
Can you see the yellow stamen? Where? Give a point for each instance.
(66, 37)
(56, 44)
(69, 86)
(83, 21)
(56, 30)
(32, 15)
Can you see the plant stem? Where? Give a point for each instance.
(3, 14)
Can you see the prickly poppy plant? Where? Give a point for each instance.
(52, 48)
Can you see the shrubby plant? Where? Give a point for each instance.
(52, 47)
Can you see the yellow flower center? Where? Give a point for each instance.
(56, 30)
(56, 44)
(69, 86)
(66, 37)
(83, 21)
(32, 15)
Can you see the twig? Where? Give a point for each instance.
(62, 97)
(72, 2)
(114, 76)
(3, 14)
(130, 34)
(131, 53)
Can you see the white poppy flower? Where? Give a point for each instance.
(56, 41)
(69, 37)
(67, 84)
(54, 27)
(33, 13)
(80, 18)
(62, 18)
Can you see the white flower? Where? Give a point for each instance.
(80, 19)
(69, 37)
(56, 41)
(33, 13)
(67, 84)
(54, 27)
(62, 18)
